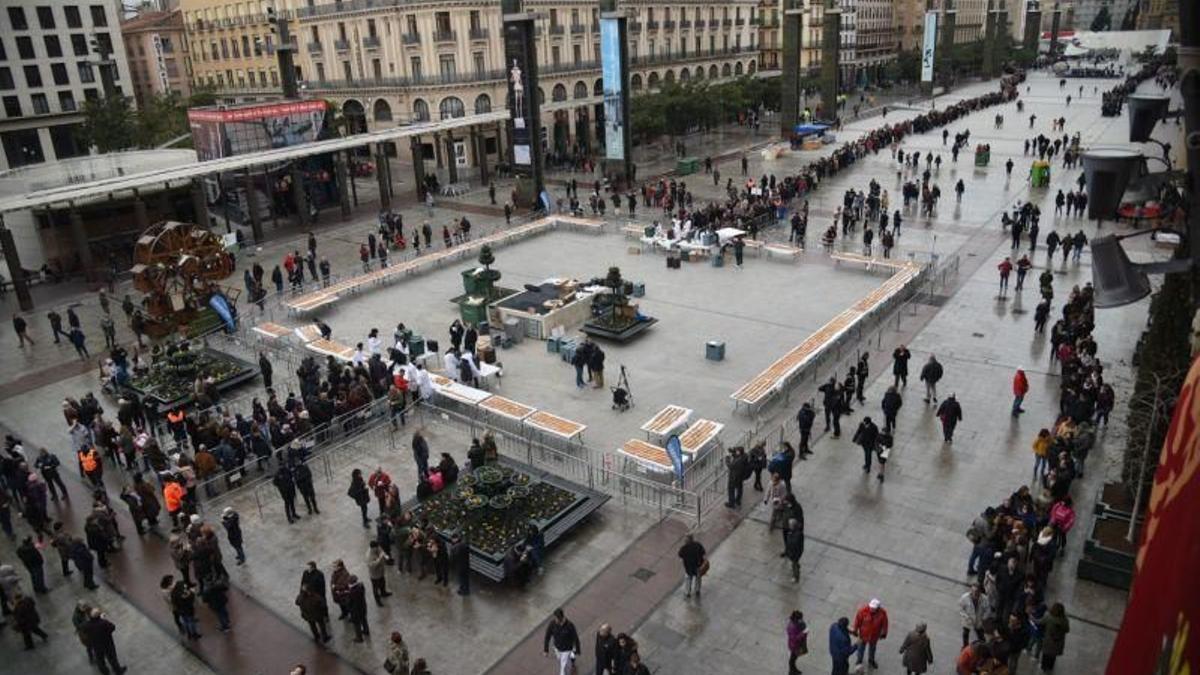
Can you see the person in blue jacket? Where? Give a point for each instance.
(840, 646)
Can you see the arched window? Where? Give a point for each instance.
(725, 70)
(383, 111)
(635, 82)
(652, 81)
(669, 77)
(737, 69)
(580, 90)
(685, 75)
(420, 110)
(451, 106)
(598, 88)
(713, 72)
(559, 92)
(355, 116)
(699, 72)
(483, 104)
(753, 67)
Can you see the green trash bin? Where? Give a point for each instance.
(687, 166)
(416, 345)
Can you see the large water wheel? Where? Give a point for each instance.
(177, 265)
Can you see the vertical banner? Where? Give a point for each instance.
(929, 47)
(614, 90)
(524, 124)
(1160, 632)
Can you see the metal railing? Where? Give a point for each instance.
(577, 28)
(403, 82)
(603, 472)
(341, 45)
(315, 47)
(479, 33)
(556, 29)
(411, 38)
(445, 35)
(371, 42)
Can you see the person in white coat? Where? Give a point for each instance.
(973, 608)
(450, 365)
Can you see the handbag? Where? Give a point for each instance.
(389, 666)
(703, 569)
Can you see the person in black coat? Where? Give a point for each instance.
(866, 437)
(360, 494)
(891, 407)
(738, 467)
(441, 561)
(357, 608)
(231, 521)
(81, 555)
(266, 369)
(900, 357)
(931, 372)
(460, 560)
(950, 413)
(606, 651)
(794, 546)
(692, 554)
(34, 563)
(98, 634)
(286, 484)
(596, 366)
(304, 483)
(470, 337)
(831, 401)
(805, 419)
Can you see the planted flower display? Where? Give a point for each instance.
(494, 506)
(173, 373)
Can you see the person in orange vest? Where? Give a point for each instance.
(173, 494)
(91, 466)
(175, 422)
(1020, 388)
(871, 626)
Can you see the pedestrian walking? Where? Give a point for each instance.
(231, 521)
(34, 563)
(840, 646)
(265, 369)
(797, 640)
(974, 609)
(303, 477)
(561, 633)
(377, 563)
(916, 651)
(81, 555)
(21, 328)
(804, 420)
(215, 592)
(695, 564)
(931, 373)
(360, 494)
(28, 622)
(48, 464)
(866, 436)
(79, 341)
(1020, 387)
(794, 546)
(55, 320)
(183, 604)
(356, 608)
(737, 470)
(950, 414)
(900, 358)
(314, 611)
(285, 482)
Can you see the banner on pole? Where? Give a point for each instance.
(927, 50)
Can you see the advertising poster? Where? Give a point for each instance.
(519, 92)
(253, 128)
(614, 117)
(927, 50)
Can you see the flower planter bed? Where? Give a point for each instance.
(169, 381)
(1107, 557)
(1115, 499)
(494, 505)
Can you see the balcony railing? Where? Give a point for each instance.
(713, 23)
(577, 28)
(651, 25)
(403, 82)
(371, 42)
(675, 57)
(341, 45)
(569, 67)
(444, 36)
(669, 24)
(635, 27)
(727, 22)
(411, 38)
(479, 33)
(556, 29)
(315, 48)
(738, 22)
(685, 24)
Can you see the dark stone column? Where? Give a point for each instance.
(451, 161)
(140, 216)
(789, 114)
(15, 271)
(1055, 21)
(199, 202)
(1033, 28)
(343, 180)
(830, 62)
(381, 174)
(479, 143)
(252, 206)
(298, 198)
(418, 160)
(946, 45)
(989, 41)
(80, 239)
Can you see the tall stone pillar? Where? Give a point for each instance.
(80, 239)
(1033, 26)
(16, 272)
(141, 217)
(949, 26)
(252, 206)
(343, 180)
(381, 174)
(199, 202)
(1055, 21)
(789, 115)
(989, 41)
(418, 161)
(1003, 36)
(831, 61)
(479, 144)
(451, 161)
(299, 200)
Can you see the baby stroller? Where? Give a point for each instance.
(621, 399)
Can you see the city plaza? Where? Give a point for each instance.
(900, 541)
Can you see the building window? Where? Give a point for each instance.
(40, 105)
(33, 76)
(25, 47)
(45, 17)
(66, 101)
(16, 18)
(225, 48)
(479, 63)
(411, 22)
(446, 65)
(86, 74)
(3, 53)
(420, 110)
(274, 78)
(91, 94)
(346, 73)
(555, 54)
(451, 107)
(59, 72)
(23, 147)
(474, 18)
(377, 68)
(53, 46)
(79, 45)
(6, 79)
(233, 48)
(442, 22)
(246, 45)
(99, 18)
(213, 50)
(12, 106)
(63, 137)
(371, 28)
(72, 14)
(320, 72)
(415, 67)
(577, 54)
(258, 45)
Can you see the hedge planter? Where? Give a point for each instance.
(1115, 499)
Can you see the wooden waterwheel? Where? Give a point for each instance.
(177, 265)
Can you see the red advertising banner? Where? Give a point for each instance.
(1160, 632)
(225, 132)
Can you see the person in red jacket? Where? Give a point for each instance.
(1020, 388)
(871, 626)
(1006, 268)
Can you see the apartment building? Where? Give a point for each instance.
(231, 47)
(48, 68)
(874, 39)
(387, 62)
(157, 52)
(1159, 14)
